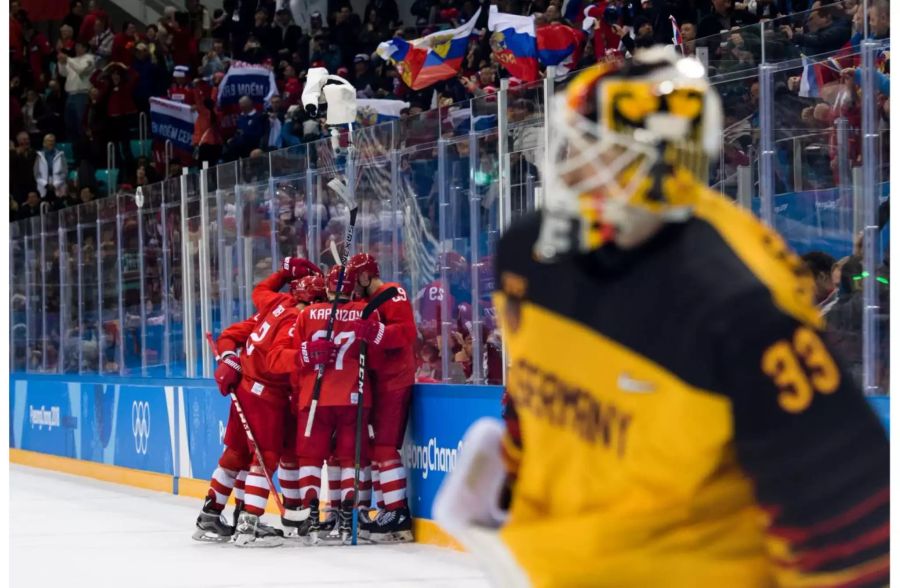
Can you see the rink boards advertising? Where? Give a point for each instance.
(175, 427)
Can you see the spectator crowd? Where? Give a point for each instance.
(78, 86)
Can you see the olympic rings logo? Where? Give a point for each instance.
(140, 425)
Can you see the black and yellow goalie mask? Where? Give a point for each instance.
(629, 150)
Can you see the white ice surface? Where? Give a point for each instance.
(71, 531)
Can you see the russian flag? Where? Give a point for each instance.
(809, 80)
(571, 62)
(373, 112)
(431, 59)
(676, 32)
(514, 44)
(555, 43)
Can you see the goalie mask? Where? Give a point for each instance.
(630, 149)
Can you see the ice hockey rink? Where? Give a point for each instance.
(71, 531)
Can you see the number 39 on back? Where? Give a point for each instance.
(799, 368)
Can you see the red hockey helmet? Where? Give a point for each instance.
(362, 262)
(331, 282)
(309, 289)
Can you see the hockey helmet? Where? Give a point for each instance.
(630, 147)
(331, 282)
(362, 262)
(309, 289)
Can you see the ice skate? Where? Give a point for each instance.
(315, 526)
(345, 519)
(211, 526)
(295, 529)
(250, 533)
(366, 522)
(392, 526)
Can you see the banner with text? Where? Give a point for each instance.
(172, 121)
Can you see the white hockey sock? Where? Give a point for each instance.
(393, 484)
(334, 486)
(256, 494)
(346, 483)
(376, 488)
(290, 485)
(239, 485)
(309, 480)
(365, 486)
(221, 485)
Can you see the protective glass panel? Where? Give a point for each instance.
(131, 290)
(256, 241)
(70, 275)
(110, 285)
(173, 268)
(18, 337)
(34, 295)
(89, 295)
(416, 256)
(486, 200)
(525, 112)
(153, 313)
(191, 273)
(50, 278)
(229, 254)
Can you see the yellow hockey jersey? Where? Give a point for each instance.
(681, 421)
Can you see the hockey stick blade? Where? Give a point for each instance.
(339, 187)
(332, 246)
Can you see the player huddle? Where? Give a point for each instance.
(290, 360)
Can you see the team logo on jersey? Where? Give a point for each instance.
(278, 311)
(140, 425)
(629, 384)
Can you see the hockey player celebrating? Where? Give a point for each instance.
(393, 388)
(336, 415)
(682, 423)
(261, 380)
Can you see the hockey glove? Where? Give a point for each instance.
(314, 353)
(369, 330)
(228, 373)
(294, 268)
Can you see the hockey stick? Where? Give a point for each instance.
(329, 326)
(297, 516)
(371, 307)
(334, 252)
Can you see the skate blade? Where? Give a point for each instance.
(209, 537)
(251, 542)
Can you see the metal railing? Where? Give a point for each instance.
(435, 196)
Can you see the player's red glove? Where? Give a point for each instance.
(294, 268)
(228, 373)
(318, 352)
(369, 330)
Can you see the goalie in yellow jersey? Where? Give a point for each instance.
(679, 421)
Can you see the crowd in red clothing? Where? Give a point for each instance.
(85, 81)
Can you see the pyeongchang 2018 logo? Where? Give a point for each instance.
(140, 425)
(431, 457)
(41, 417)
